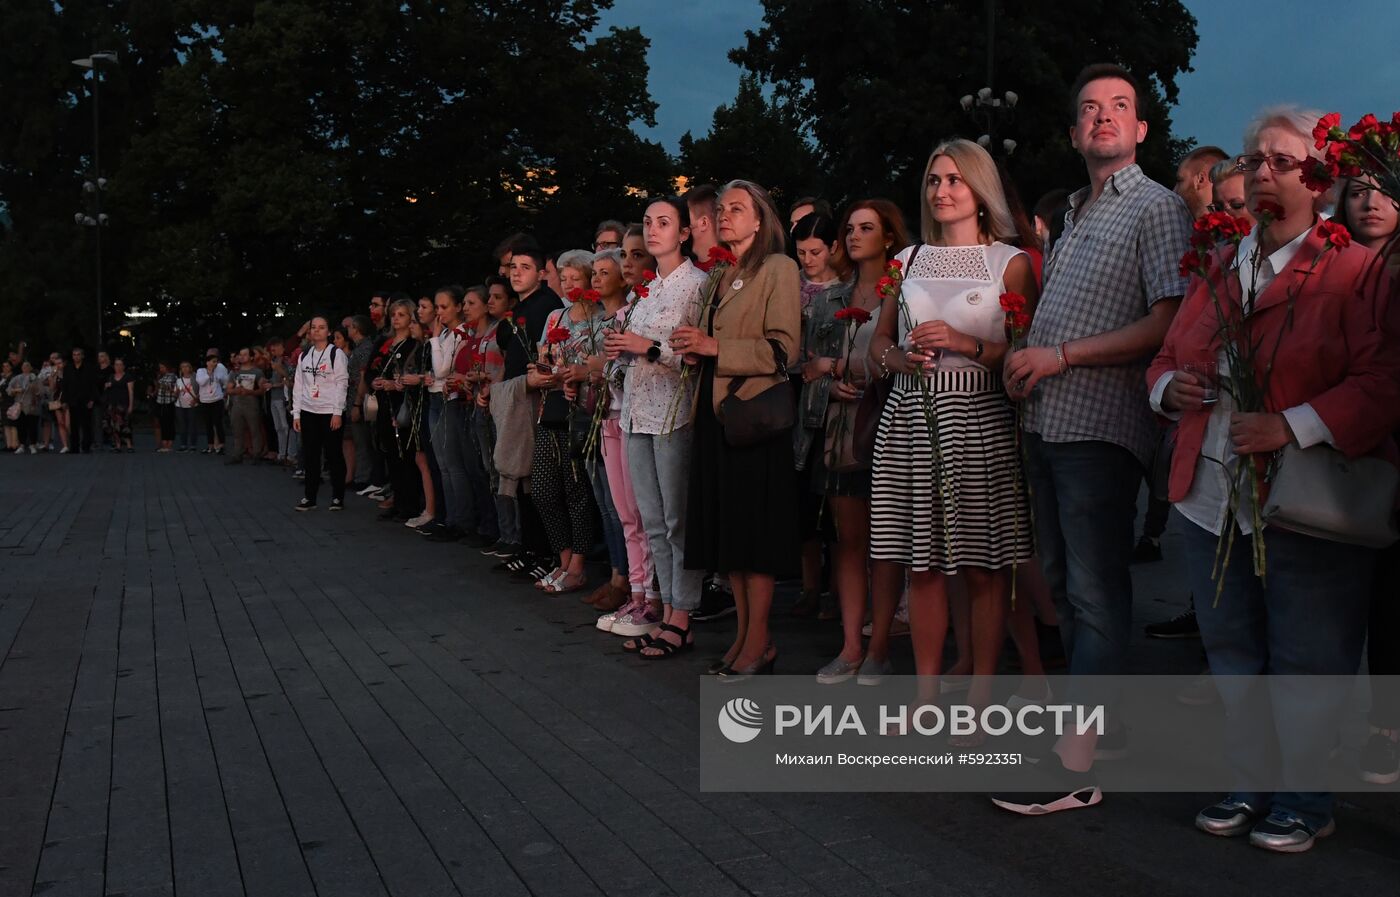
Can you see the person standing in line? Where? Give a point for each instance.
(11, 425)
(211, 380)
(118, 400)
(245, 408)
(318, 403)
(277, 377)
(164, 392)
(186, 405)
(361, 335)
(1112, 287)
(24, 392)
(80, 390)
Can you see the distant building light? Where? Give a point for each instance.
(137, 313)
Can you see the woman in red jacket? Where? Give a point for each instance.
(1336, 381)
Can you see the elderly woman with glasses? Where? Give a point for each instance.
(1334, 381)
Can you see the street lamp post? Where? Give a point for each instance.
(984, 108)
(97, 219)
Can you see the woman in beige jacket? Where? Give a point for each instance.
(739, 519)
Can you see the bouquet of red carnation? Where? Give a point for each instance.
(1018, 319)
(716, 262)
(1370, 148)
(1249, 364)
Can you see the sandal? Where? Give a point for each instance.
(665, 648)
(635, 645)
(549, 579)
(564, 584)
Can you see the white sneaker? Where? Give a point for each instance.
(33, 450)
(605, 622)
(20, 450)
(63, 451)
(419, 520)
(368, 490)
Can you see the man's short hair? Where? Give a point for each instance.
(531, 252)
(362, 324)
(819, 205)
(1097, 72)
(515, 243)
(704, 197)
(1204, 154)
(616, 227)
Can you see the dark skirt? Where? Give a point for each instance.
(742, 500)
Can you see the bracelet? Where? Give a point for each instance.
(884, 368)
(1060, 357)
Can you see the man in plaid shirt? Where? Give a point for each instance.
(1112, 286)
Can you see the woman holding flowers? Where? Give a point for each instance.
(742, 490)
(947, 494)
(1286, 603)
(393, 425)
(656, 418)
(612, 479)
(838, 369)
(558, 481)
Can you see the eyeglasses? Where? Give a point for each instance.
(1277, 163)
(1236, 206)
(606, 244)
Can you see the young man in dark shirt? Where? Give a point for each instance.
(80, 387)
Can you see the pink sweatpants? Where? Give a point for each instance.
(639, 569)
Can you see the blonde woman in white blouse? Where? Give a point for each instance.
(658, 446)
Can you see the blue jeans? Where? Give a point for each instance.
(660, 467)
(434, 413)
(448, 421)
(478, 480)
(612, 526)
(1085, 496)
(185, 423)
(1307, 618)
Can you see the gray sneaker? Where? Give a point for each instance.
(837, 671)
(873, 672)
(1228, 818)
(1283, 832)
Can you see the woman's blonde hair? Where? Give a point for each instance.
(979, 172)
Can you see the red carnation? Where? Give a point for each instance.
(899, 266)
(721, 256)
(1192, 263)
(1269, 209)
(851, 313)
(1012, 303)
(1336, 235)
(1020, 321)
(1367, 125)
(1323, 132)
(641, 291)
(575, 294)
(648, 275)
(557, 335)
(520, 322)
(1317, 176)
(592, 296)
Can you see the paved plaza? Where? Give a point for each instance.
(203, 693)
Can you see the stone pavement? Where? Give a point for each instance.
(203, 693)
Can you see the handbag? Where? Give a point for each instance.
(872, 404)
(749, 422)
(371, 410)
(13, 411)
(1320, 492)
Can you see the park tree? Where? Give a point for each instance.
(757, 138)
(878, 83)
(270, 157)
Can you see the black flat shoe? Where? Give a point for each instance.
(734, 675)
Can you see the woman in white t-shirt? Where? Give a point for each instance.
(211, 380)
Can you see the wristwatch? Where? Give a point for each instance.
(654, 352)
(980, 347)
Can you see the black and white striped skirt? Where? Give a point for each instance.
(966, 508)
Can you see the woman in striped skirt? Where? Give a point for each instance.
(947, 493)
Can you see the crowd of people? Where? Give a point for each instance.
(722, 395)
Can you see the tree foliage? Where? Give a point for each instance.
(878, 82)
(756, 138)
(287, 155)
